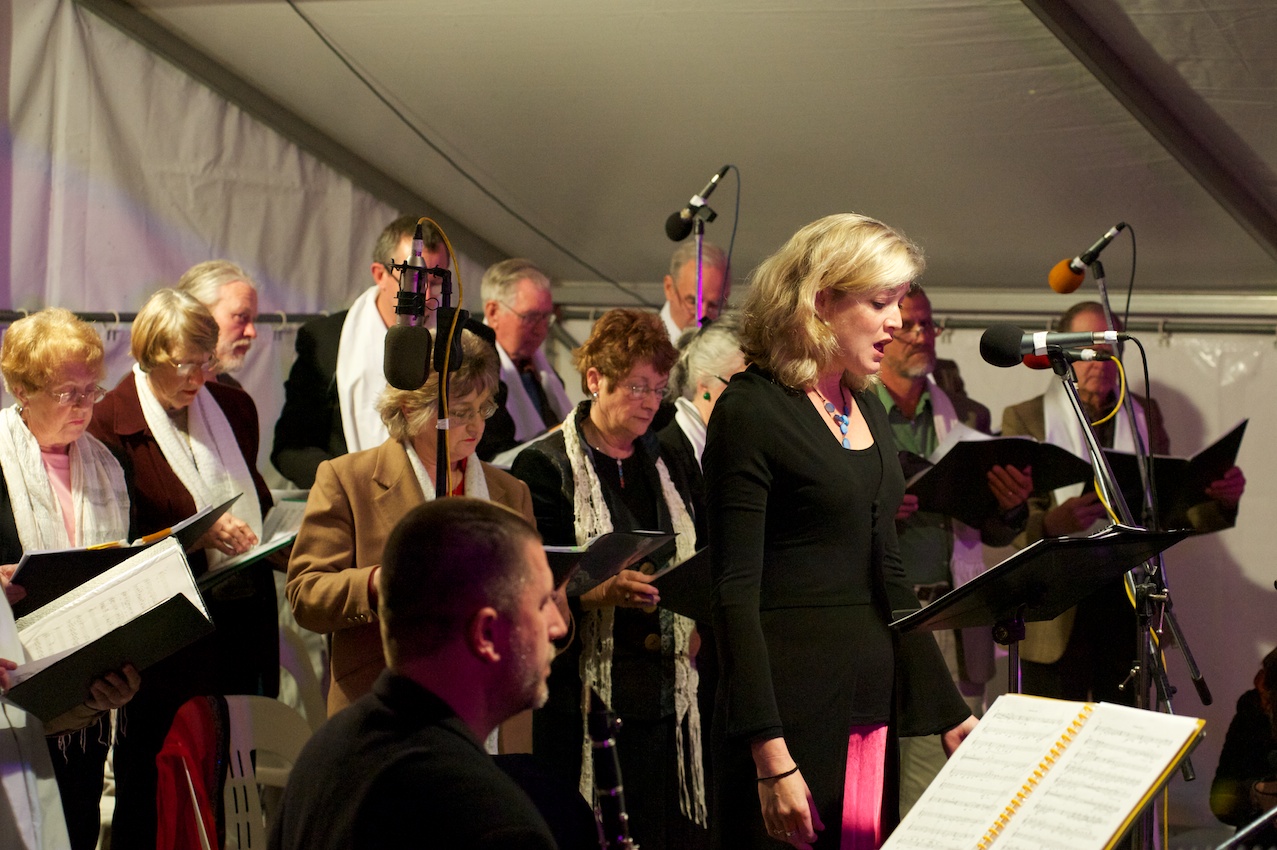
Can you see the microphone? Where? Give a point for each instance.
(1006, 345)
(1080, 355)
(679, 224)
(406, 358)
(1069, 274)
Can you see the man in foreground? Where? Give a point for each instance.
(466, 649)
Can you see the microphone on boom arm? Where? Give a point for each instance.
(1067, 275)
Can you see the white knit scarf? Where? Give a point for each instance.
(98, 493)
(207, 459)
(594, 518)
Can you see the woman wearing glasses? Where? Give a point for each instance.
(358, 498)
(602, 471)
(187, 442)
(59, 488)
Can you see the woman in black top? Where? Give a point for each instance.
(602, 471)
(802, 485)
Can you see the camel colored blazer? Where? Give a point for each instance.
(355, 502)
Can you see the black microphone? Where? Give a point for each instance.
(1006, 345)
(1069, 274)
(406, 359)
(679, 224)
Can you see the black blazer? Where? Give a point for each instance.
(309, 430)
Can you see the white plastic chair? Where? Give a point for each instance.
(265, 726)
(294, 657)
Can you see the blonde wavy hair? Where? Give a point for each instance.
(36, 347)
(846, 254)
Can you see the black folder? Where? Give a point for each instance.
(143, 641)
(957, 484)
(1181, 482)
(606, 556)
(685, 587)
(47, 574)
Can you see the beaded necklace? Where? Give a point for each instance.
(842, 420)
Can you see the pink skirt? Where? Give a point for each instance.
(862, 788)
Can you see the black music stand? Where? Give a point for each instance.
(1040, 582)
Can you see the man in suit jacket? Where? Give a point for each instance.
(466, 648)
(939, 552)
(1087, 651)
(519, 308)
(331, 392)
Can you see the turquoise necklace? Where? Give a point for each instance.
(842, 420)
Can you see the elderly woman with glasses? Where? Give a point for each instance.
(59, 488)
(187, 442)
(358, 498)
(602, 471)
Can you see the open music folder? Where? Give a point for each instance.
(138, 612)
(1045, 772)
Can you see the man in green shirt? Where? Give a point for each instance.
(938, 552)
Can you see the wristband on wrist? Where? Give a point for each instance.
(789, 772)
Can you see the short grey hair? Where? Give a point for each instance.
(712, 256)
(205, 280)
(500, 280)
(704, 354)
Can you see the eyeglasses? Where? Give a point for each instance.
(926, 328)
(710, 305)
(531, 318)
(188, 368)
(466, 414)
(641, 391)
(76, 398)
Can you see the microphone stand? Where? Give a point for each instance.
(1155, 568)
(703, 214)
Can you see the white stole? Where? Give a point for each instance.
(690, 423)
(28, 788)
(475, 485)
(99, 496)
(206, 459)
(523, 408)
(1064, 430)
(968, 552)
(360, 375)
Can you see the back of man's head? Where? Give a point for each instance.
(443, 562)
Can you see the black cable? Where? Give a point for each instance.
(731, 245)
(1130, 285)
(456, 165)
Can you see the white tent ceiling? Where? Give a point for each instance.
(1002, 135)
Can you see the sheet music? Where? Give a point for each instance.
(114, 598)
(281, 525)
(1080, 801)
(970, 793)
(1119, 754)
